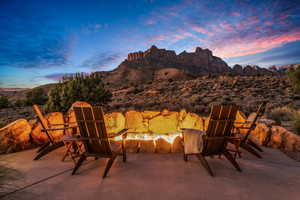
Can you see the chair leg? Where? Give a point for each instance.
(205, 164)
(50, 148)
(250, 150)
(108, 165)
(124, 151)
(43, 147)
(254, 145)
(185, 157)
(68, 151)
(232, 160)
(78, 164)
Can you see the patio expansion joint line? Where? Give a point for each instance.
(37, 182)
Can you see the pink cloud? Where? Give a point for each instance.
(157, 38)
(237, 14)
(248, 22)
(184, 34)
(227, 27)
(201, 30)
(268, 23)
(150, 22)
(252, 45)
(178, 36)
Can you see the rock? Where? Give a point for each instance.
(193, 121)
(165, 123)
(135, 122)
(114, 122)
(260, 133)
(177, 145)
(147, 146)
(15, 136)
(40, 137)
(132, 145)
(162, 146)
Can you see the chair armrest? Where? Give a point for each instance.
(78, 138)
(193, 130)
(122, 132)
(241, 127)
(57, 129)
(63, 124)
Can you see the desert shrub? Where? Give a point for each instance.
(20, 103)
(296, 123)
(4, 103)
(80, 87)
(281, 114)
(2, 124)
(294, 77)
(36, 96)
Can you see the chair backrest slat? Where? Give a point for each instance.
(91, 124)
(220, 125)
(259, 113)
(41, 117)
(43, 121)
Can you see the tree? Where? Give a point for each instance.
(20, 103)
(4, 103)
(294, 77)
(36, 96)
(80, 87)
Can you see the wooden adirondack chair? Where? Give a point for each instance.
(246, 142)
(94, 136)
(217, 136)
(51, 145)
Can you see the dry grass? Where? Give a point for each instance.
(281, 114)
(296, 123)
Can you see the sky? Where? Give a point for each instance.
(42, 40)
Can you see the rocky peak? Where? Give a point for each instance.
(199, 62)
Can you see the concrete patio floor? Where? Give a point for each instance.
(155, 177)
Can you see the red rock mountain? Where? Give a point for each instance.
(161, 64)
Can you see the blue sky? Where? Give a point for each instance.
(42, 40)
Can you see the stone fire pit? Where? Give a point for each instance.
(148, 131)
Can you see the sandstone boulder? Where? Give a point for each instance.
(40, 137)
(15, 136)
(135, 122)
(167, 122)
(114, 122)
(193, 121)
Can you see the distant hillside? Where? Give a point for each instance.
(13, 94)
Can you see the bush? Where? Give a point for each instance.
(296, 123)
(20, 103)
(1, 124)
(80, 87)
(36, 96)
(4, 103)
(294, 77)
(282, 114)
